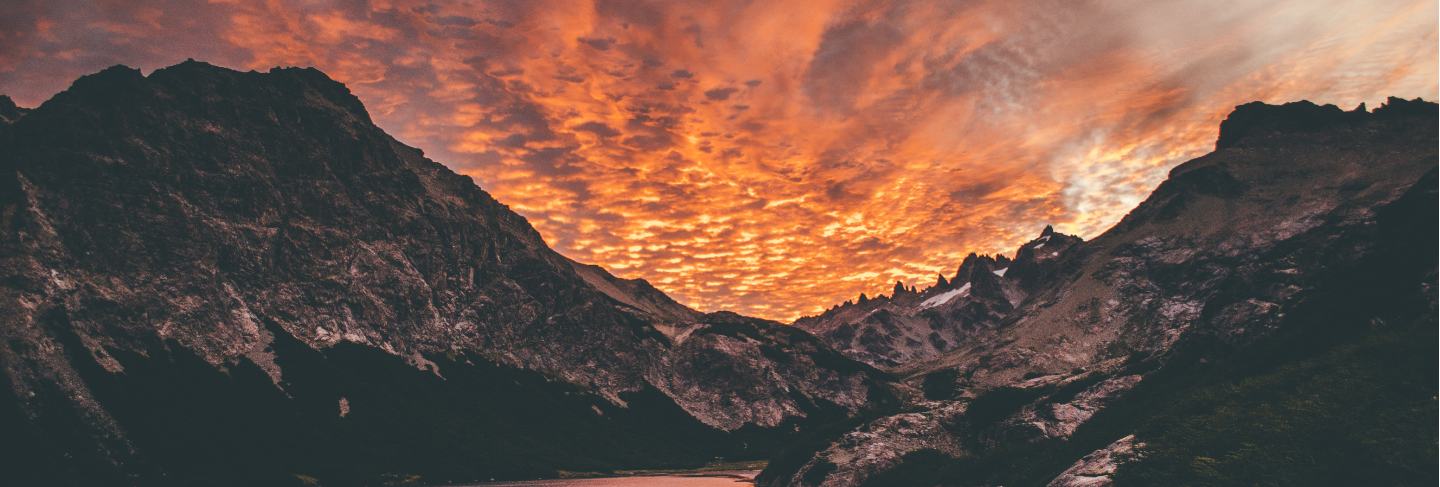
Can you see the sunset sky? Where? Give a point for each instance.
(770, 157)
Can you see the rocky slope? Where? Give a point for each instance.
(911, 325)
(220, 277)
(1266, 316)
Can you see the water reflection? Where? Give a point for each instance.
(710, 479)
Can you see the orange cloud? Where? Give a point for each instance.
(773, 158)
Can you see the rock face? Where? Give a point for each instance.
(1098, 468)
(198, 265)
(913, 325)
(1308, 232)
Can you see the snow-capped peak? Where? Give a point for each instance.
(1042, 241)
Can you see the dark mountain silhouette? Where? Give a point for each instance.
(1266, 317)
(221, 277)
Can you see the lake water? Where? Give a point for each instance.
(728, 478)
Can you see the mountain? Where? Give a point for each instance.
(1266, 317)
(8, 111)
(912, 325)
(222, 277)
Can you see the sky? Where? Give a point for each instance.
(777, 157)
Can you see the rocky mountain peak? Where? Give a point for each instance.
(1035, 261)
(1257, 119)
(224, 91)
(9, 112)
(1400, 108)
(972, 265)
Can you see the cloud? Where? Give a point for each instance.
(878, 141)
(597, 43)
(720, 94)
(597, 128)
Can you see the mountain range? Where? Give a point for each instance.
(233, 275)
(912, 324)
(223, 277)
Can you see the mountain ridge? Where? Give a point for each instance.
(912, 324)
(256, 238)
(1236, 254)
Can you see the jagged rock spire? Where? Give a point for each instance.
(973, 264)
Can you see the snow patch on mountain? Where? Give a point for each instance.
(945, 297)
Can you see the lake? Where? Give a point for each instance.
(721, 478)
